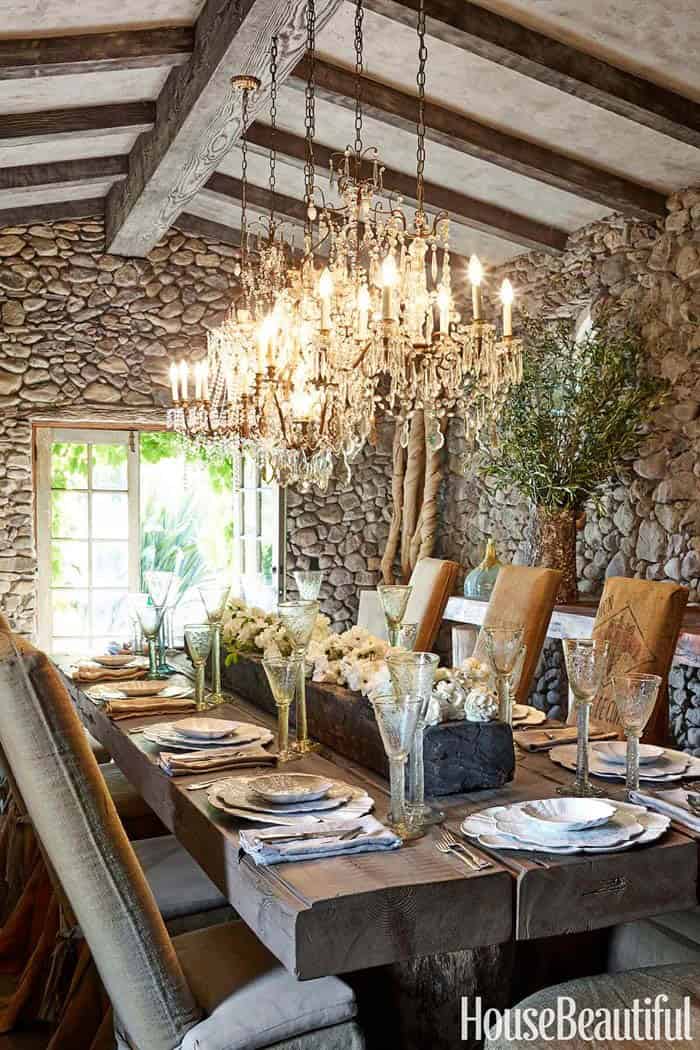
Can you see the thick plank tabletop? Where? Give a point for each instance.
(320, 917)
(340, 914)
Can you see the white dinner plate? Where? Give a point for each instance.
(524, 715)
(357, 807)
(569, 814)
(509, 820)
(204, 728)
(668, 768)
(164, 736)
(614, 752)
(240, 794)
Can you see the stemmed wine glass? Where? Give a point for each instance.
(308, 583)
(635, 698)
(214, 597)
(503, 646)
(133, 600)
(150, 618)
(160, 585)
(394, 599)
(586, 663)
(298, 620)
(413, 674)
(408, 633)
(397, 718)
(283, 676)
(198, 640)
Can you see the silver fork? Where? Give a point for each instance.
(447, 844)
(454, 843)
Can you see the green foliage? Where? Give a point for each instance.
(157, 445)
(68, 465)
(169, 543)
(581, 411)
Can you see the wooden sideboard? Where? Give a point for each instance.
(571, 621)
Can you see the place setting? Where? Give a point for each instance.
(608, 760)
(126, 699)
(109, 667)
(208, 745)
(566, 826)
(308, 816)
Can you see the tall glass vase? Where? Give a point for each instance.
(413, 673)
(298, 620)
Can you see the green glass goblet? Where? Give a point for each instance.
(283, 676)
(214, 598)
(308, 583)
(198, 640)
(150, 618)
(298, 620)
(394, 599)
(635, 698)
(413, 674)
(162, 587)
(397, 718)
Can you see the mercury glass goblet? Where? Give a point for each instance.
(394, 599)
(214, 598)
(408, 632)
(161, 587)
(586, 664)
(308, 583)
(635, 698)
(283, 676)
(503, 645)
(397, 718)
(150, 618)
(198, 639)
(413, 674)
(298, 620)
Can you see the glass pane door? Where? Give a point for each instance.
(257, 534)
(87, 504)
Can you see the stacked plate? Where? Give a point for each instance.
(141, 688)
(289, 799)
(205, 734)
(566, 825)
(524, 716)
(608, 759)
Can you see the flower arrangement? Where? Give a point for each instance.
(355, 659)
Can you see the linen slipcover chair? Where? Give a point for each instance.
(216, 989)
(642, 620)
(617, 991)
(523, 596)
(433, 581)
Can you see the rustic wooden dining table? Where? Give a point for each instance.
(414, 929)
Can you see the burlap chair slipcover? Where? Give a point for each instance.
(524, 596)
(250, 1001)
(641, 619)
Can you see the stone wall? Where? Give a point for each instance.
(346, 529)
(650, 527)
(86, 336)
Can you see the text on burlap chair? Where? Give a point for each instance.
(523, 596)
(216, 989)
(432, 582)
(641, 619)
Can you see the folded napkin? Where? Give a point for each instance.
(672, 802)
(544, 739)
(276, 845)
(177, 764)
(95, 673)
(131, 706)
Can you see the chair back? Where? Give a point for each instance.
(75, 819)
(432, 582)
(525, 596)
(642, 620)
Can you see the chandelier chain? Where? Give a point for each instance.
(244, 178)
(359, 16)
(420, 124)
(310, 114)
(273, 130)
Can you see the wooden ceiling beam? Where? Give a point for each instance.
(462, 209)
(62, 172)
(90, 208)
(214, 231)
(95, 52)
(21, 129)
(498, 39)
(258, 197)
(198, 116)
(458, 132)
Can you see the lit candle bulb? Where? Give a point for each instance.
(263, 340)
(363, 305)
(183, 380)
(443, 299)
(475, 275)
(325, 290)
(173, 382)
(507, 297)
(389, 276)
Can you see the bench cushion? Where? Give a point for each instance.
(670, 938)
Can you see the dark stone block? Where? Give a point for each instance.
(459, 756)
